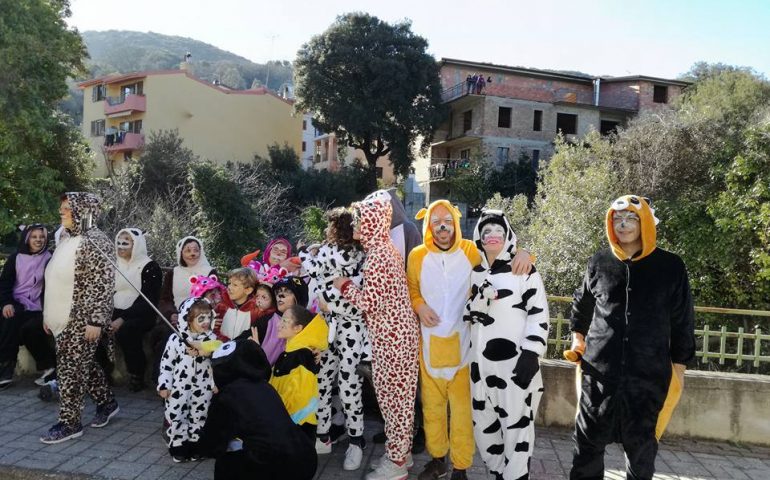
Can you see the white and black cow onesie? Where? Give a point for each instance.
(350, 342)
(508, 314)
(188, 379)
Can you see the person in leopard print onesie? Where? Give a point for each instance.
(80, 283)
(339, 256)
(393, 328)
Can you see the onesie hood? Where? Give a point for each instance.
(427, 233)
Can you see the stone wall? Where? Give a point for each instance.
(716, 406)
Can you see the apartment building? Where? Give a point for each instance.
(216, 122)
(518, 113)
(327, 155)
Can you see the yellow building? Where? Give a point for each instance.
(216, 123)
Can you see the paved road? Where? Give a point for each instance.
(131, 447)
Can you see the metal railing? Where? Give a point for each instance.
(112, 101)
(731, 344)
(453, 92)
(444, 167)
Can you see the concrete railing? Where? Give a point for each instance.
(731, 407)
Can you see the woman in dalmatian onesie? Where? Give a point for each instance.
(509, 330)
(393, 329)
(339, 256)
(186, 381)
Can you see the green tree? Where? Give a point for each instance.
(575, 190)
(313, 224)
(38, 51)
(228, 223)
(374, 85)
(742, 215)
(164, 163)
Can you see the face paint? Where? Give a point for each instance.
(492, 234)
(201, 322)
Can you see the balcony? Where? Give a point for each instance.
(124, 105)
(441, 168)
(129, 141)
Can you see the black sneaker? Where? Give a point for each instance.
(104, 413)
(434, 470)
(178, 459)
(49, 392)
(458, 475)
(48, 375)
(61, 433)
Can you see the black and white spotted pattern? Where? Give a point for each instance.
(349, 339)
(508, 313)
(190, 381)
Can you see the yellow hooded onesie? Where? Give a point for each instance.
(441, 279)
(294, 373)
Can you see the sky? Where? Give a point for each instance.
(599, 37)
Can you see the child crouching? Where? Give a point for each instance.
(186, 381)
(294, 373)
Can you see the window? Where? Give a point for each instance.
(660, 94)
(503, 154)
(608, 127)
(304, 147)
(133, 89)
(467, 120)
(504, 117)
(131, 127)
(99, 93)
(465, 153)
(537, 122)
(535, 159)
(378, 171)
(566, 123)
(304, 126)
(97, 128)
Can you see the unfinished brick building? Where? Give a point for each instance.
(520, 110)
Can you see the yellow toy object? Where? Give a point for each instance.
(209, 346)
(575, 355)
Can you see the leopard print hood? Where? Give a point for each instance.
(374, 213)
(85, 209)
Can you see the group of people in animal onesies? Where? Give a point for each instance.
(250, 373)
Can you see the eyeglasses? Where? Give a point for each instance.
(617, 219)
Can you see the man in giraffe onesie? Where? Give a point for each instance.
(438, 273)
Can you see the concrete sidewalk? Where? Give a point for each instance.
(131, 447)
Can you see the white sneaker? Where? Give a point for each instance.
(389, 471)
(47, 376)
(353, 457)
(323, 448)
(376, 463)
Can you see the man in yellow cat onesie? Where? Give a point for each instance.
(438, 272)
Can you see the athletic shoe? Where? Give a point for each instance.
(61, 433)
(458, 475)
(389, 471)
(321, 447)
(104, 413)
(353, 457)
(49, 391)
(434, 470)
(376, 463)
(178, 459)
(48, 375)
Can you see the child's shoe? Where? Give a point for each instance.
(388, 470)
(353, 457)
(48, 375)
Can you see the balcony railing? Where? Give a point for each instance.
(441, 168)
(453, 92)
(125, 103)
(123, 142)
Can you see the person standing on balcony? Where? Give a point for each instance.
(469, 83)
(633, 333)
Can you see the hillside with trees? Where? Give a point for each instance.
(121, 51)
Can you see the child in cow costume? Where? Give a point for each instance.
(509, 331)
(186, 382)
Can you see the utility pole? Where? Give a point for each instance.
(272, 41)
